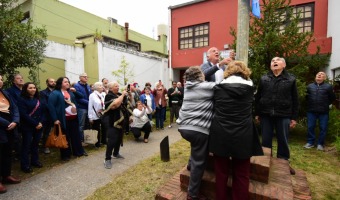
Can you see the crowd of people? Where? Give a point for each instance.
(214, 112)
(27, 117)
(217, 117)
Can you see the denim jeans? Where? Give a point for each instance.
(311, 123)
(82, 115)
(160, 113)
(281, 127)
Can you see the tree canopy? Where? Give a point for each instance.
(21, 44)
(277, 33)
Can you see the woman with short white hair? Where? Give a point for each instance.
(96, 106)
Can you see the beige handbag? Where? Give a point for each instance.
(90, 136)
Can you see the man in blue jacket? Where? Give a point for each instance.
(83, 103)
(319, 96)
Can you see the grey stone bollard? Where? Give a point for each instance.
(165, 153)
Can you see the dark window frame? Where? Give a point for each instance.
(195, 36)
(303, 19)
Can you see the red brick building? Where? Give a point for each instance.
(196, 26)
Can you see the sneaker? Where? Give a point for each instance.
(107, 164)
(47, 151)
(320, 147)
(169, 126)
(308, 146)
(118, 156)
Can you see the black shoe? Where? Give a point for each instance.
(27, 170)
(118, 156)
(66, 159)
(38, 165)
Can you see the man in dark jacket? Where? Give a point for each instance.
(14, 91)
(213, 68)
(48, 123)
(319, 96)
(175, 95)
(276, 106)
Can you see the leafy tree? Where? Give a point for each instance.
(268, 39)
(124, 73)
(21, 45)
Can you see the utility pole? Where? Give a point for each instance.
(243, 31)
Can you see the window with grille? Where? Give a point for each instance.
(306, 14)
(194, 36)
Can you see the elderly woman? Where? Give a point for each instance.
(141, 121)
(9, 119)
(194, 123)
(232, 132)
(113, 121)
(96, 106)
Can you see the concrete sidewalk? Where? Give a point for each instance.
(80, 177)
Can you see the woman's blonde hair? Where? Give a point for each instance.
(194, 74)
(237, 67)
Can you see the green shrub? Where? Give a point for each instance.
(333, 125)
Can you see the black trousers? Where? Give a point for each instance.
(114, 138)
(6, 150)
(6, 156)
(98, 126)
(137, 132)
(198, 158)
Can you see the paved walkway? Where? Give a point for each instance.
(80, 177)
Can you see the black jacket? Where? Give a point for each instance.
(319, 97)
(277, 96)
(232, 132)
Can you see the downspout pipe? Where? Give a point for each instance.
(126, 31)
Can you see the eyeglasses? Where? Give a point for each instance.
(159, 89)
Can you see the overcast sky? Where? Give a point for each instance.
(142, 16)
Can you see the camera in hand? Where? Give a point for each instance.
(128, 88)
(145, 102)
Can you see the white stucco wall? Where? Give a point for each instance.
(333, 31)
(73, 57)
(146, 68)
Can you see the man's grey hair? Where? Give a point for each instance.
(283, 60)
